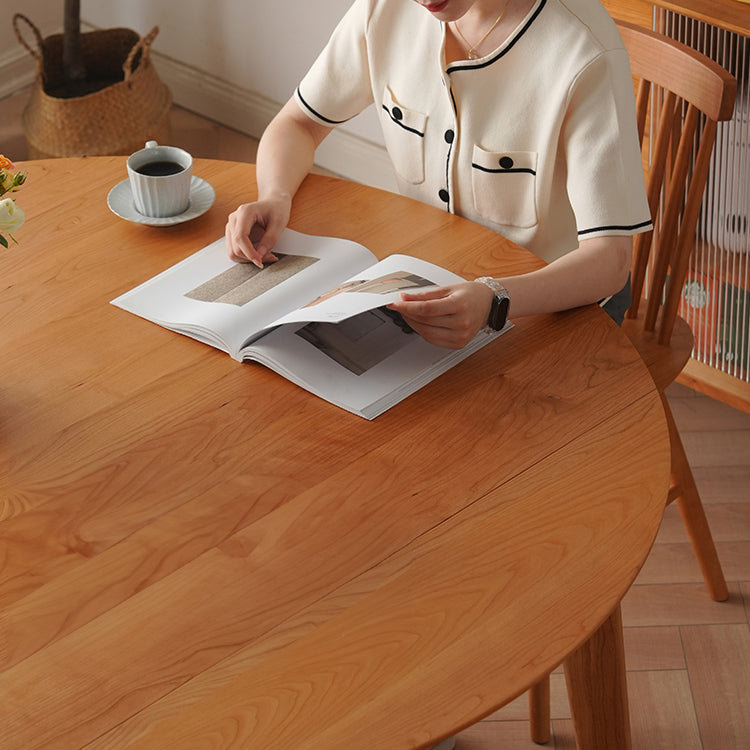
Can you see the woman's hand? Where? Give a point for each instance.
(253, 229)
(285, 156)
(449, 316)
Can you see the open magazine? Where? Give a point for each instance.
(317, 317)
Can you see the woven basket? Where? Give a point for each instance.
(117, 119)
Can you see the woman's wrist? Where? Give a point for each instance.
(499, 302)
(274, 195)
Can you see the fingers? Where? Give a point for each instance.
(444, 336)
(240, 249)
(264, 238)
(447, 316)
(252, 231)
(436, 306)
(440, 292)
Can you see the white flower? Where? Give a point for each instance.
(11, 216)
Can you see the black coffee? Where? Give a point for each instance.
(160, 168)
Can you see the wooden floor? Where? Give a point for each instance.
(688, 657)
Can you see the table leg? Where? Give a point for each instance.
(597, 689)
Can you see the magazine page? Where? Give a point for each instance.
(364, 364)
(375, 286)
(225, 304)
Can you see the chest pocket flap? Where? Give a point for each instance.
(403, 133)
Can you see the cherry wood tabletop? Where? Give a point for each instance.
(195, 553)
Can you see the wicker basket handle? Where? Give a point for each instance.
(35, 53)
(142, 45)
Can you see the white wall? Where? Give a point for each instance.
(237, 61)
(16, 64)
(258, 45)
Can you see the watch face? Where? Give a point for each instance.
(498, 312)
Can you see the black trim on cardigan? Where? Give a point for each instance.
(485, 63)
(450, 149)
(401, 124)
(502, 170)
(317, 114)
(617, 228)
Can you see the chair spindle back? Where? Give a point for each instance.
(682, 94)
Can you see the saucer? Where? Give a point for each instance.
(120, 202)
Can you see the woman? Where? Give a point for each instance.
(517, 114)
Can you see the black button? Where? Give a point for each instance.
(397, 114)
(449, 136)
(444, 196)
(506, 162)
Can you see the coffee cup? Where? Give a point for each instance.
(160, 180)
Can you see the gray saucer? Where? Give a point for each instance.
(120, 202)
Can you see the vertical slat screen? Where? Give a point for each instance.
(716, 297)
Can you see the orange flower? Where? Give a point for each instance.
(11, 216)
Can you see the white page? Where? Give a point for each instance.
(227, 313)
(372, 374)
(389, 278)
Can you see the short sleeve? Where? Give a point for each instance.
(605, 179)
(337, 87)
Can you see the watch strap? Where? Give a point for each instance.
(500, 303)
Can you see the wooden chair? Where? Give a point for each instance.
(681, 94)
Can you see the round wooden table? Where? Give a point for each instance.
(195, 553)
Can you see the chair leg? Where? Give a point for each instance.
(539, 712)
(693, 515)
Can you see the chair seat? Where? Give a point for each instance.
(664, 363)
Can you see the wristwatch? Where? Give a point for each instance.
(500, 303)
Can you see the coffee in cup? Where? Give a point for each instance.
(160, 180)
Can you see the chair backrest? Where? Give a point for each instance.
(682, 94)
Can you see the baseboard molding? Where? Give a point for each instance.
(17, 70)
(249, 112)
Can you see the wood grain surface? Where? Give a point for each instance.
(726, 14)
(194, 553)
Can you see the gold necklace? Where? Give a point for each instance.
(471, 49)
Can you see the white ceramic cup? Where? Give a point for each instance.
(160, 189)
